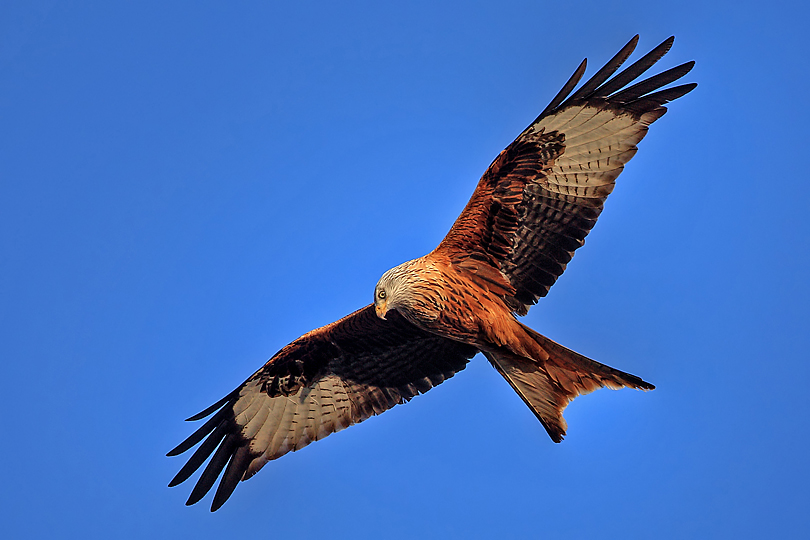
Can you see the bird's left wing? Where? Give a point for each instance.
(324, 381)
(542, 195)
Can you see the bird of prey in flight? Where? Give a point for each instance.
(531, 210)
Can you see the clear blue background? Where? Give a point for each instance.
(186, 188)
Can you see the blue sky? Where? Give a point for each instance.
(184, 189)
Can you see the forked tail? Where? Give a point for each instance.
(548, 386)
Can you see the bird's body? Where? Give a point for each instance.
(531, 210)
(439, 297)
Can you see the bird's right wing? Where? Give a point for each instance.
(324, 381)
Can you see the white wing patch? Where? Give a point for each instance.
(278, 425)
(598, 142)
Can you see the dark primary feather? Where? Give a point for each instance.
(635, 70)
(322, 382)
(607, 70)
(542, 195)
(567, 87)
(653, 83)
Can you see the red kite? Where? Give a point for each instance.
(530, 211)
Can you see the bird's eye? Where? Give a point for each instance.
(381, 295)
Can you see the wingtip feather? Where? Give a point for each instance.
(567, 88)
(202, 414)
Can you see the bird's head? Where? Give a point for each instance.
(384, 293)
(391, 291)
(380, 300)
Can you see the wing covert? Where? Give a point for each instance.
(542, 195)
(324, 381)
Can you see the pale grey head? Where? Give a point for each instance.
(392, 290)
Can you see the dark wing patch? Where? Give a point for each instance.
(322, 382)
(541, 196)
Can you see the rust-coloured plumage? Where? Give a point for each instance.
(531, 210)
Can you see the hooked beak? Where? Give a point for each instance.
(381, 310)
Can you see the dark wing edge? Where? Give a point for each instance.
(321, 383)
(542, 195)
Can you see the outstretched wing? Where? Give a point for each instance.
(322, 382)
(542, 195)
